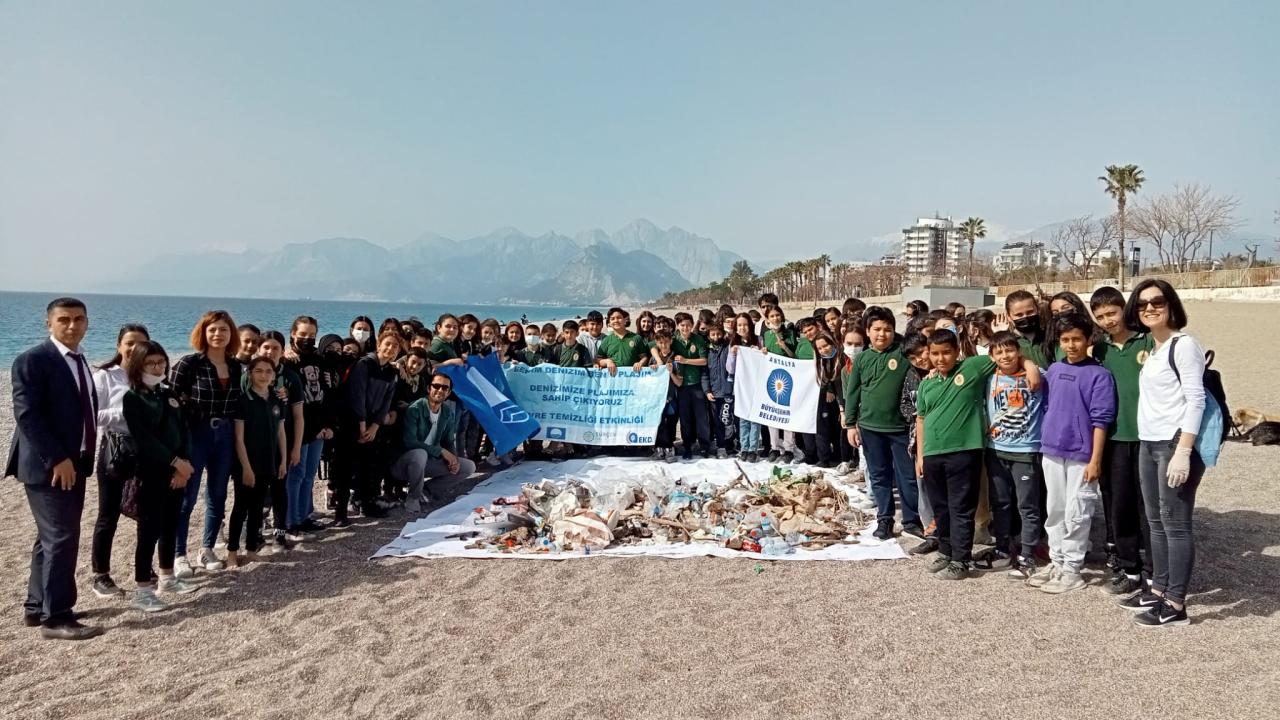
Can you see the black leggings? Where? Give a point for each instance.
(159, 508)
(110, 490)
(247, 512)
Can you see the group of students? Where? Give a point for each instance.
(1070, 404)
(1026, 430)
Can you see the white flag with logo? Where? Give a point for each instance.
(777, 391)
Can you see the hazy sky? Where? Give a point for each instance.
(778, 129)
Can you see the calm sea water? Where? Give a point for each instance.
(170, 319)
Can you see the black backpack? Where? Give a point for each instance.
(1212, 386)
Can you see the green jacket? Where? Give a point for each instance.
(159, 430)
(417, 427)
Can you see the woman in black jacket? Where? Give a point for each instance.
(368, 393)
(158, 428)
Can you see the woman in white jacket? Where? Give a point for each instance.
(1171, 404)
(115, 456)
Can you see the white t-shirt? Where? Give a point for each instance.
(435, 426)
(111, 384)
(1166, 405)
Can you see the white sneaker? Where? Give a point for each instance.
(493, 460)
(182, 568)
(177, 586)
(1065, 582)
(145, 599)
(1045, 575)
(208, 560)
(657, 455)
(843, 469)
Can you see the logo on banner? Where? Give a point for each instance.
(508, 412)
(779, 386)
(556, 433)
(638, 439)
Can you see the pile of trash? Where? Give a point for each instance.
(773, 517)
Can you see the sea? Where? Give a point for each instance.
(169, 320)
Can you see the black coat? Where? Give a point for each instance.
(50, 424)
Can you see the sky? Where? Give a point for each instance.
(134, 129)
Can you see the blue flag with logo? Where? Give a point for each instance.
(482, 387)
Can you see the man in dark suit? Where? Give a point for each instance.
(55, 406)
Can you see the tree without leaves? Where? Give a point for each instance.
(1179, 223)
(1121, 181)
(1080, 241)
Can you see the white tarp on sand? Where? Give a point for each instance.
(427, 537)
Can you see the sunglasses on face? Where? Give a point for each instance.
(441, 387)
(1156, 303)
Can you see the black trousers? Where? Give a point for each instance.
(829, 432)
(1127, 527)
(1016, 491)
(110, 491)
(666, 438)
(159, 507)
(694, 420)
(356, 469)
(951, 479)
(246, 514)
(51, 587)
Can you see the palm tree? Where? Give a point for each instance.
(1121, 182)
(972, 230)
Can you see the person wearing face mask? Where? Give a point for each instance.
(830, 390)
(319, 418)
(362, 332)
(1024, 313)
(154, 420)
(854, 338)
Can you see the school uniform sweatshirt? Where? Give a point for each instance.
(1079, 398)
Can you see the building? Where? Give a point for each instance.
(931, 247)
(1018, 255)
(1102, 256)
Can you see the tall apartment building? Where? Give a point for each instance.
(931, 247)
(1017, 255)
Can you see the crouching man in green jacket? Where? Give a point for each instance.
(430, 425)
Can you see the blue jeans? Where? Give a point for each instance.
(212, 450)
(1169, 510)
(888, 461)
(301, 482)
(748, 436)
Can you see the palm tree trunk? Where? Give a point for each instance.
(1120, 208)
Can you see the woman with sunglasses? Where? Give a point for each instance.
(1171, 403)
(430, 428)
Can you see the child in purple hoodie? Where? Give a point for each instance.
(1081, 405)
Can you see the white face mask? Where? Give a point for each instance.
(851, 351)
(360, 336)
(532, 340)
(151, 380)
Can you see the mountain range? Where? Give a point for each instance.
(637, 263)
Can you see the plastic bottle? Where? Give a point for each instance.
(775, 546)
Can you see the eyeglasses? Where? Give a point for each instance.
(441, 387)
(1158, 302)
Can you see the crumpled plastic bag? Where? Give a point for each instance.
(584, 529)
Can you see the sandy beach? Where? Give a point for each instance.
(321, 632)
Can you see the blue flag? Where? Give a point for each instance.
(482, 387)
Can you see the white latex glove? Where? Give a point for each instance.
(1179, 467)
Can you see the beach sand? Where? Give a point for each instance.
(323, 633)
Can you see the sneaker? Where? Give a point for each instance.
(884, 530)
(721, 454)
(914, 530)
(297, 534)
(753, 457)
(1065, 582)
(1161, 615)
(992, 559)
(208, 560)
(669, 455)
(797, 458)
(656, 455)
(936, 562)
(182, 568)
(281, 543)
(177, 586)
(106, 588)
(493, 460)
(1044, 575)
(311, 526)
(928, 546)
(1121, 584)
(145, 599)
(953, 571)
(773, 456)
(1023, 567)
(1140, 601)
(843, 469)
